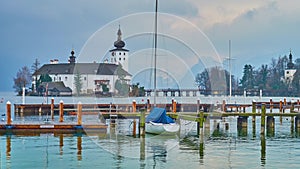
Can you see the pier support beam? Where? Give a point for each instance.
(297, 123)
(61, 111)
(270, 126)
(200, 123)
(8, 113)
(242, 125)
(242, 122)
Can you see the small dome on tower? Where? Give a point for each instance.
(119, 43)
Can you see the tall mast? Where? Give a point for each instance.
(155, 49)
(230, 88)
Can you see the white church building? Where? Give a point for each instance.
(93, 75)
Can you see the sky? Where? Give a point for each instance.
(193, 34)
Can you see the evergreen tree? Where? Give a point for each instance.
(78, 83)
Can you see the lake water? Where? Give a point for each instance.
(116, 148)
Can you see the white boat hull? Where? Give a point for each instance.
(160, 128)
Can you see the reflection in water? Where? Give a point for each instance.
(79, 148)
(8, 147)
(263, 150)
(61, 144)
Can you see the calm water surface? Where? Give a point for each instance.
(115, 148)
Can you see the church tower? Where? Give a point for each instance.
(290, 70)
(119, 55)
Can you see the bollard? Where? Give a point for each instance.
(8, 113)
(52, 108)
(263, 119)
(79, 113)
(61, 111)
(133, 106)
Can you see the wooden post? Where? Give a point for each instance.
(198, 105)
(224, 106)
(298, 104)
(292, 124)
(271, 105)
(61, 111)
(253, 111)
(52, 108)
(270, 126)
(8, 147)
(79, 113)
(133, 106)
(148, 105)
(8, 113)
(134, 128)
(280, 106)
(134, 121)
(263, 119)
(292, 106)
(142, 124)
(174, 106)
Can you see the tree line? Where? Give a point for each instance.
(269, 78)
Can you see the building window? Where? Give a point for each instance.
(120, 53)
(120, 59)
(124, 54)
(66, 78)
(123, 58)
(59, 78)
(287, 72)
(84, 78)
(54, 79)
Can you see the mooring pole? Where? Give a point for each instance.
(52, 108)
(134, 121)
(253, 111)
(133, 106)
(61, 111)
(263, 119)
(174, 106)
(8, 113)
(79, 113)
(142, 124)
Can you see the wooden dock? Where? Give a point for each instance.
(197, 112)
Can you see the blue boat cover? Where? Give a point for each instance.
(158, 115)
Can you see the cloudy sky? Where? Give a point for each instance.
(193, 33)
